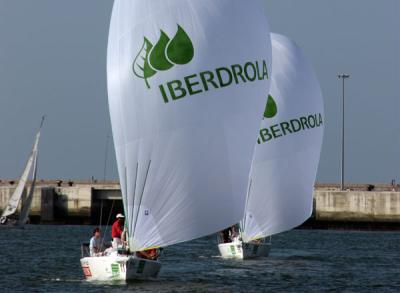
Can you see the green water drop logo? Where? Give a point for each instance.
(271, 109)
(157, 59)
(165, 54)
(180, 50)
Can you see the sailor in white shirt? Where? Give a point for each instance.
(95, 243)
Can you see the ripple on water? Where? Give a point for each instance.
(46, 258)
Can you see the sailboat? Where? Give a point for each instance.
(8, 217)
(283, 172)
(185, 113)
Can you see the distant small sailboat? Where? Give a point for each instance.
(284, 168)
(8, 217)
(182, 110)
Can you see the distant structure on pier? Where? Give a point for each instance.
(79, 202)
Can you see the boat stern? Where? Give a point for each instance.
(231, 250)
(120, 268)
(255, 250)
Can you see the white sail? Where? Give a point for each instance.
(26, 207)
(186, 82)
(16, 196)
(288, 147)
(114, 91)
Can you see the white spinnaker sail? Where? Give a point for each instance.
(16, 196)
(288, 148)
(186, 81)
(114, 93)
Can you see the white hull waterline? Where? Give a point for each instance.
(241, 250)
(119, 268)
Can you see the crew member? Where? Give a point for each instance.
(225, 235)
(116, 230)
(95, 243)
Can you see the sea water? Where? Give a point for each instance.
(46, 259)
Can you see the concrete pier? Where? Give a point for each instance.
(80, 202)
(360, 206)
(72, 202)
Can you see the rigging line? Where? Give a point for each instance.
(134, 193)
(104, 178)
(108, 221)
(141, 197)
(247, 201)
(101, 214)
(133, 198)
(106, 158)
(126, 222)
(125, 197)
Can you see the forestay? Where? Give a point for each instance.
(288, 147)
(187, 83)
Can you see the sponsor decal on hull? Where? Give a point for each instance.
(86, 271)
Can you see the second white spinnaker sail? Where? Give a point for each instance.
(186, 83)
(288, 147)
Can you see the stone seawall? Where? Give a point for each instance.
(360, 206)
(64, 201)
(80, 202)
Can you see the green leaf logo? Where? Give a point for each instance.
(157, 59)
(141, 67)
(271, 108)
(163, 55)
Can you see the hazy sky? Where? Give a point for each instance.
(53, 61)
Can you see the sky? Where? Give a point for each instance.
(53, 62)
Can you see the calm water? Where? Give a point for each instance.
(46, 258)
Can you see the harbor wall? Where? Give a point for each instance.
(360, 206)
(80, 202)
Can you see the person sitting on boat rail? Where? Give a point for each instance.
(116, 231)
(95, 243)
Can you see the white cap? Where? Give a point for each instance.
(120, 216)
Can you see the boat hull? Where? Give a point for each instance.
(240, 250)
(11, 223)
(119, 268)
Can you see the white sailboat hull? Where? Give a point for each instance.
(241, 250)
(119, 268)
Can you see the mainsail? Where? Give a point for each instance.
(26, 207)
(13, 202)
(288, 148)
(186, 82)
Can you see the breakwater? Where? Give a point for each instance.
(81, 202)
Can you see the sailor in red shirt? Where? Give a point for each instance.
(117, 229)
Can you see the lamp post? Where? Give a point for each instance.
(343, 77)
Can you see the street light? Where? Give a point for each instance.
(343, 77)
